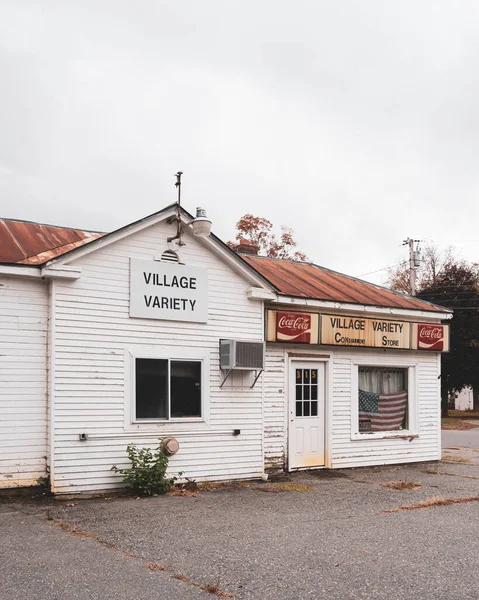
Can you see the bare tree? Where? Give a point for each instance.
(433, 264)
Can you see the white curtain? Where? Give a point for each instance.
(382, 380)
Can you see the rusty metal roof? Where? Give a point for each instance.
(307, 280)
(23, 242)
(27, 243)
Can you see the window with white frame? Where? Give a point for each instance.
(382, 399)
(167, 389)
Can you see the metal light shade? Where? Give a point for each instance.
(201, 225)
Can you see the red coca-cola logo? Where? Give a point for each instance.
(293, 327)
(430, 337)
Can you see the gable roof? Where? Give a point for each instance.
(24, 242)
(51, 246)
(36, 244)
(307, 280)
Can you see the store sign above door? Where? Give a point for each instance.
(337, 330)
(292, 327)
(170, 292)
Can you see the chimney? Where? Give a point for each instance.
(246, 247)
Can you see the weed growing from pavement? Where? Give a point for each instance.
(451, 458)
(156, 567)
(72, 530)
(147, 474)
(211, 486)
(432, 471)
(211, 589)
(402, 485)
(292, 487)
(214, 589)
(431, 503)
(450, 474)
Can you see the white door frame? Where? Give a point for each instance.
(327, 362)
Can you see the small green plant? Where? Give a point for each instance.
(147, 474)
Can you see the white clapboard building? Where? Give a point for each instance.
(252, 364)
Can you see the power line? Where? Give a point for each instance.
(454, 241)
(383, 269)
(452, 293)
(463, 307)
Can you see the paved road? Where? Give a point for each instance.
(39, 561)
(258, 542)
(461, 439)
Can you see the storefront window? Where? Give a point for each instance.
(167, 389)
(382, 399)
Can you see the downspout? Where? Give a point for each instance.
(50, 383)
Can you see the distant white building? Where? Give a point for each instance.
(464, 399)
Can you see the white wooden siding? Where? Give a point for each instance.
(275, 413)
(344, 451)
(92, 331)
(23, 397)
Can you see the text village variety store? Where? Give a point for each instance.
(250, 364)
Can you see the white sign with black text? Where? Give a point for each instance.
(171, 292)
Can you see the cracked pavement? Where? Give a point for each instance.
(259, 541)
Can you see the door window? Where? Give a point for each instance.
(306, 392)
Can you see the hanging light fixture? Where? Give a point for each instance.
(201, 225)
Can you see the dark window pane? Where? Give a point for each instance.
(151, 388)
(299, 392)
(306, 392)
(314, 375)
(306, 409)
(306, 375)
(185, 389)
(314, 392)
(299, 409)
(314, 409)
(299, 376)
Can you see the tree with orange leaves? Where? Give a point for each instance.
(259, 232)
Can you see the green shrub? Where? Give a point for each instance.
(147, 474)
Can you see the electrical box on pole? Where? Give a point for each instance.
(414, 262)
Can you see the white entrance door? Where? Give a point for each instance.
(306, 415)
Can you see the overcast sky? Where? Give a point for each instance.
(356, 123)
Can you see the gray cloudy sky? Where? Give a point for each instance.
(356, 123)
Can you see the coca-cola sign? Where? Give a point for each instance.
(431, 337)
(293, 327)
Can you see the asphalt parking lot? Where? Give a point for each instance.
(311, 535)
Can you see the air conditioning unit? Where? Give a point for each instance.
(237, 354)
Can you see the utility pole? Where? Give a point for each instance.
(414, 262)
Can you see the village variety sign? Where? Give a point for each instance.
(292, 327)
(427, 336)
(168, 291)
(337, 330)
